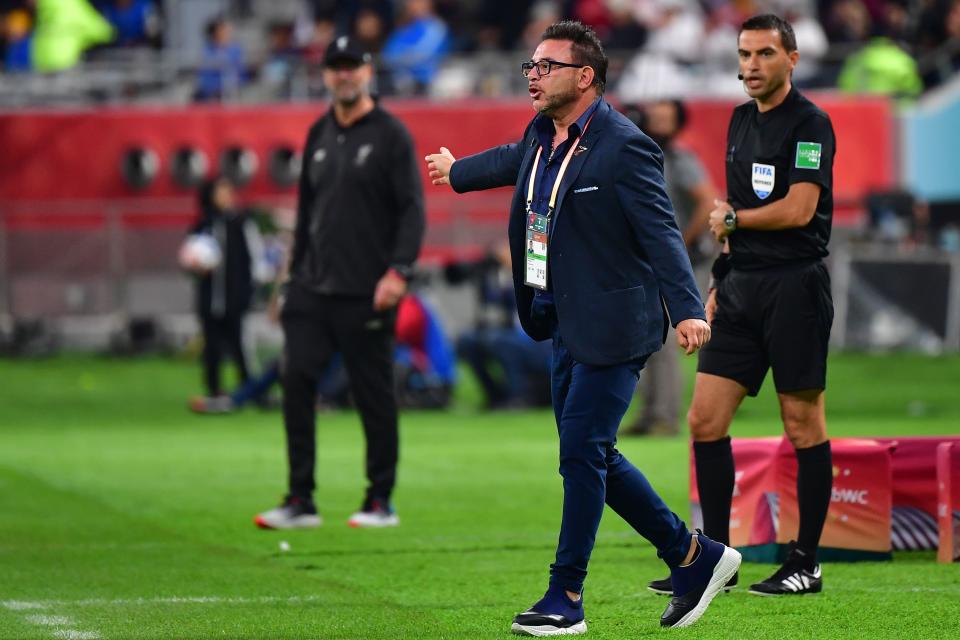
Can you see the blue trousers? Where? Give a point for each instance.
(589, 402)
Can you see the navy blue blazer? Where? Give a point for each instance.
(617, 261)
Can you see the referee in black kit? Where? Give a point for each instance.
(770, 303)
(360, 223)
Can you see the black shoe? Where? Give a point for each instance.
(374, 512)
(798, 575)
(665, 588)
(553, 615)
(696, 584)
(294, 513)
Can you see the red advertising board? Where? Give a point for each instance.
(861, 500)
(75, 155)
(948, 501)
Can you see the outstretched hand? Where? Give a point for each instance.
(692, 334)
(438, 166)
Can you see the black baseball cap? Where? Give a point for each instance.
(345, 49)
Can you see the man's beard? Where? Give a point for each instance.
(348, 100)
(559, 101)
(771, 88)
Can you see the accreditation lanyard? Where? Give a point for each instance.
(538, 225)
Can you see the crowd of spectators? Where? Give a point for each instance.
(449, 48)
(53, 35)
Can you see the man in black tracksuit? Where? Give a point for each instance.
(770, 306)
(359, 229)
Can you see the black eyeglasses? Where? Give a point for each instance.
(544, 67)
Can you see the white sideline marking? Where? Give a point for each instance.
(15, 605)
(21, 605)
(70, 634)
(50, 621)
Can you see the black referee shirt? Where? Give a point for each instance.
(360, 207)
(766, 153)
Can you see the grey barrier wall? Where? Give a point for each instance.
(86, 269)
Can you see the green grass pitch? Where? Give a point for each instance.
(124, 516)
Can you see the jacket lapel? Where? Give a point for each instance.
(585, 145)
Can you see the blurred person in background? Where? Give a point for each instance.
(811, 39)
(281, 57)
(370, 32)
(360, 224)
(316, 39)
(64, 30)
(676, 30)
(17, 41)
(222, 68)
(625, 33)
(136, 21)
(594, 13)
(542, 14)
(224, 293)
(900, 22)
(692, 193)
(257, 388)
(936, 24)
(415, 49)
(503, 23)
(881, 67)
(848, 22)
(423, 362)
(513, 369)
(770, 306)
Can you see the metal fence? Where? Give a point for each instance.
(118, 258)
(890, 297)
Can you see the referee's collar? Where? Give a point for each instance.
(789, 99)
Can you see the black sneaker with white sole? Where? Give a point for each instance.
(553, 615)
(374, 512)
(799, 575)
(696, 585)
(294, 513)
(664, 587)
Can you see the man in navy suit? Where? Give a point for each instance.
(598, 264)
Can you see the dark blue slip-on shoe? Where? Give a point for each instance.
(554, 615)
(695, 585)
(664, 587)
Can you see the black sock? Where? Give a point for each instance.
(814, 485)
(715, 475)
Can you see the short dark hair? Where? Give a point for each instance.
(771, 22)
(585, 48)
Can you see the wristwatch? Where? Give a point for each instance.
(730, 220)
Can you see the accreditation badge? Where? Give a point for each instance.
(536, 251)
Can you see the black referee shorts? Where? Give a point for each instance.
(778, 317)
